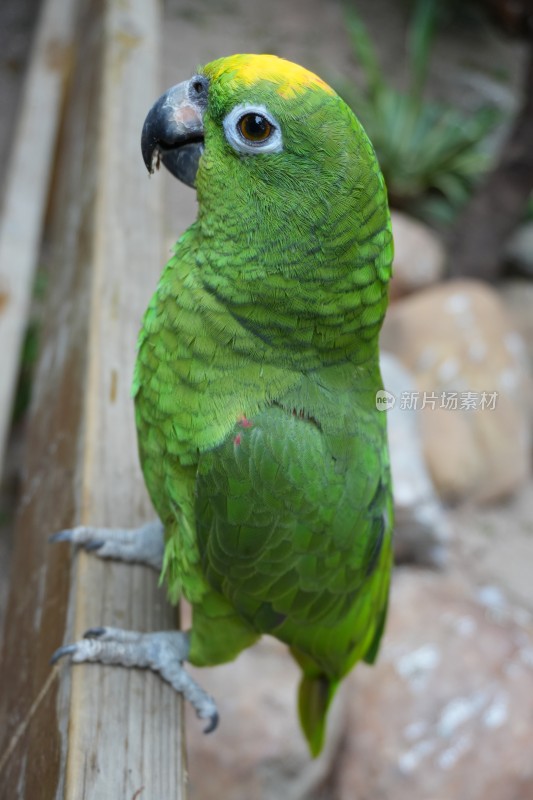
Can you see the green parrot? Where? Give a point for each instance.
(255, 384)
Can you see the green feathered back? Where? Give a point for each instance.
(255, 388)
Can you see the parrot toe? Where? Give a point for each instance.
(144, 545)
(162, 652)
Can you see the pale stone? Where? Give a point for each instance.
(421, 529)
(419, 257)
(462, 348)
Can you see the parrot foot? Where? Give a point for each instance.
(162, 652)
(144, 545)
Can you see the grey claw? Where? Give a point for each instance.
(93, 546)
(68, 536)
(213, 723)
(93, 633)
(66, 650)
(61, 536)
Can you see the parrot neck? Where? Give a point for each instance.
(314, 292)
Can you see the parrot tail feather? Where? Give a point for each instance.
(315, 696)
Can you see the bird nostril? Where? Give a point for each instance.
(198, 89)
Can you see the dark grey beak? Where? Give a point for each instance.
(173, 131)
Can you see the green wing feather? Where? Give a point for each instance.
(293, 523)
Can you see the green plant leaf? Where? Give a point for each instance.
(366, 53)
(420, 37)
(429, 153)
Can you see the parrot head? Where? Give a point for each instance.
(289, 187)
(239, 109)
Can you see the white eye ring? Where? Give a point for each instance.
(273, 144)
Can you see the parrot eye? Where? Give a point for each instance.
(252, 129)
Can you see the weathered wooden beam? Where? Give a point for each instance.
(90, 732)
(25, 189)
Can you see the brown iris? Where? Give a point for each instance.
(254, 127)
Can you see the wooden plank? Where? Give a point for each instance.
(130, 737)
(26, 187)
(90, 732)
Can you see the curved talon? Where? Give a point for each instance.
(68, 535)
(61, 536)
(66, 650)
(92, 545)
(93, 633)
(213, 723)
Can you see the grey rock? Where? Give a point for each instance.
(422, 530)
(519, 250)
(419, 257)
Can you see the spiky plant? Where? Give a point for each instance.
(431, 154)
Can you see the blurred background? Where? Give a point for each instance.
(445, 91)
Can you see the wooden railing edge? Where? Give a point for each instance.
(88, 731)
